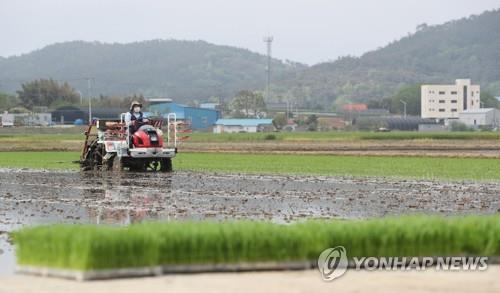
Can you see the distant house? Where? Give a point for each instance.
(25, 119)
(107, 113)
(39, 119)
(7, 119)
(354, 107)
(480, 117)
(243, 125)
(70, 114)
(198, 118)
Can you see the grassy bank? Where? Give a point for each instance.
(417, 167)
(410, 167)
(86, 247)
(39, 160)
(341, 135)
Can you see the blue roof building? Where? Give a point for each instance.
(199, 118)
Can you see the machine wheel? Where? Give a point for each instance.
(116, 164)
(94, 157)
(166, 165)
(152, 166)
(97, 157)
(137, 165)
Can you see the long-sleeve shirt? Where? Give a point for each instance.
(128, 117)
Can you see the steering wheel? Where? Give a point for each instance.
(140, 124)
(145, 127)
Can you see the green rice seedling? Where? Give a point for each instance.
(90, 247)
(342, 135)
(402, 167)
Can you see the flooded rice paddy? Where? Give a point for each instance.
(29, 197)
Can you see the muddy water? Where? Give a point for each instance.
(36, 197)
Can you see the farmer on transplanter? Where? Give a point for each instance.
(134, 118)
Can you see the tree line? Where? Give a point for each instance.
(53, 94)
(245, 104)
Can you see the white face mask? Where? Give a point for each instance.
(137, 109)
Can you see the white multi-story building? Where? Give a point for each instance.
(447, 101)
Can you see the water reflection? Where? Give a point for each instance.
(125, 198)
(28, 199)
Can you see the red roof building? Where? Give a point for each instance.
(354, 107)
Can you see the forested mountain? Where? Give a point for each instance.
(197, 70)
(465, 48)
(184, 70)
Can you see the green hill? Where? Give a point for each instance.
(465, 48)
(184, 70)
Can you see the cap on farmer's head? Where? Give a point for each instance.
(135, 103)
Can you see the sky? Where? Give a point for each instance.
(307, 31)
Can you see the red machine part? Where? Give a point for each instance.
(147, 139)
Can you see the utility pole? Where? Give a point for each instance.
(404, 108)
(287, 109)
(81, 96)
(89, 93)
(39, 93)
(269, 41)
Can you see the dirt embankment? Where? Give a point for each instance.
(438, 148)
(298, 281)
